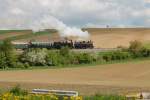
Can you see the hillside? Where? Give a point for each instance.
(102, 37)
(110, 38)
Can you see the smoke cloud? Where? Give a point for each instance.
(48, 22)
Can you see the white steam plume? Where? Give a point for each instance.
(65, 31)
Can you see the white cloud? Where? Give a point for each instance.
(22, 13)
(16, 11)
(147, 1)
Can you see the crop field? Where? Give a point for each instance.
(110, 78)
(111, 38)
(102, 37)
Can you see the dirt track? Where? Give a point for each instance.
(102, 78)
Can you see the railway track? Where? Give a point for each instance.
(95, 50)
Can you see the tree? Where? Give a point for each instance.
(135, 45)
(84, 58)
(64, 51)
(8, 53)
(135, 48)
(35, 56)
(53, 58)
(3, 64)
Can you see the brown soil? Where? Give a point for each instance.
(111, 38)
(112, 78)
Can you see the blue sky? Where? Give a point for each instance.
(78, 13)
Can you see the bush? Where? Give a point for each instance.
(135, 48)
(84, 58)
(107, 56)
(35, 57)
(115, 55)
(20, 65)
(18, 91)
(26, 65)
(64, 51)
(56, 58)
(53, 58)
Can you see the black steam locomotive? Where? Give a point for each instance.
(56, 45)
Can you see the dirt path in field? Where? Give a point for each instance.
(101, 78)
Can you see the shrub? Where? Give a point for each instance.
(53, 58)
(64, 51)
(135, 48)
(18, 91)
(35, 57)
(107, 56)
(26, 65)
(115, 55)
(20, 65)
(84, 58)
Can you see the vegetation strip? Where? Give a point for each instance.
(37, 57)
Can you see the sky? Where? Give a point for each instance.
(75, 13)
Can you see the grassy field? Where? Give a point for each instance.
(11, 31)
(111, 78)
(23, 34)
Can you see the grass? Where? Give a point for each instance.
(104, 97)
(31, 35)
(147, 45)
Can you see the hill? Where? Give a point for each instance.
(102, 37)
(113, 37)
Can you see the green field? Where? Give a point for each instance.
(28, 34)
(10, 31)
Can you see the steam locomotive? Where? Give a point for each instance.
(56, 45)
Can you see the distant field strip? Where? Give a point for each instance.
(26, 36)
(10, 31)
(22, 34)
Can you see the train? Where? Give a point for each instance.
(55, 45)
